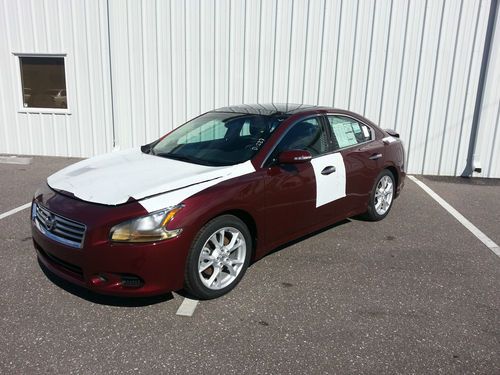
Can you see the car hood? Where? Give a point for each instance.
(118, 177)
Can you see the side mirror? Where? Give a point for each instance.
(294, 157)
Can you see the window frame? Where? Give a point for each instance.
(19, 85)
(268, 160)
(331, 135)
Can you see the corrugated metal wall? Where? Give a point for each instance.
(410, 65)
(488, 143)
(78, 29)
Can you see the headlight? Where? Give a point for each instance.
(148, 228)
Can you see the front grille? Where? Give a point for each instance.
(58, 228)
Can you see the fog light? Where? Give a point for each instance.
(97, 280)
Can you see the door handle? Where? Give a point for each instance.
(328, 170)
(375, 156)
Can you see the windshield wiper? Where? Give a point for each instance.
(188, 159)
(170, 155)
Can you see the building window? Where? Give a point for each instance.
(43, 82)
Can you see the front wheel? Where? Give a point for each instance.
(218, 258)
(381, 197)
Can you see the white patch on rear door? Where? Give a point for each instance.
(332, 186)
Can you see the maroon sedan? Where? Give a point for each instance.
(194, 208)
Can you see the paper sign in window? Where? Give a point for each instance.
(344, 134)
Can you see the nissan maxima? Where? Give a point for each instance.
(194, 208)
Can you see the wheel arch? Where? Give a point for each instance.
(249, 221)
(395, 174)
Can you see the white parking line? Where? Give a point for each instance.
(187, 307)
(457, 215)
(14, 210)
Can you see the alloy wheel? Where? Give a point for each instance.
(383, 195)
(222, 257)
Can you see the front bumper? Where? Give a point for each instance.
(106, 267)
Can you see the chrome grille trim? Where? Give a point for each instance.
(57, 227)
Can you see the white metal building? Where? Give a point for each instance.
(78, 78)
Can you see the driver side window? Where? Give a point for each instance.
(305, 135)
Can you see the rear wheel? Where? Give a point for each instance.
(218, 258)
(381, 197)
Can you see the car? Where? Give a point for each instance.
(194, 208)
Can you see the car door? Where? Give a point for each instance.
(297, 195)
(362, 156)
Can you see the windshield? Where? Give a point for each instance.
(217, 138)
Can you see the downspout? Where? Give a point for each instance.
(471, 165)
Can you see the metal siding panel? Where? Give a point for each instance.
(361, 52)
(67, 46)
(150, 70)
(298, 54)
(93, 82)
(37, 27)
(207, 56)
(470, 100)
(222, 52)
(426, 84)
(459, 88)
(178, 19)
(80, 66)
(237, 57)
(395, 62)
(165, 90)
(491, 160)
(38, 17)
(105, 122)
(410, 71)
(488, 142)
(9, 124)
(345, 58)
(405, 64)
(315, 39)
(120, 67)
(193, 60)
(137, 71)
(52, 24)
(436, 127)
(375, 82)
(267, 51)
(251, 53)
(6, 140)
(283, 47)
(326, 77)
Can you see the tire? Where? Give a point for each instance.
(381, 199)
(214, 266)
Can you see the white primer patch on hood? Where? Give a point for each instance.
(173, 198)
(116, 177)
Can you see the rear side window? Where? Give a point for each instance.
(305, 135)
(347, 132)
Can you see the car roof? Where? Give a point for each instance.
(271, 109)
